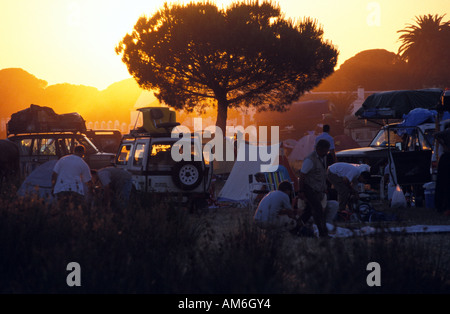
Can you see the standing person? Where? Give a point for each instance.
(116, 186)
(325, 135)
(275, 210)
(70, 175)
(313, 185)
(442, 192)
(345, 178)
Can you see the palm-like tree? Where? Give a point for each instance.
(425, 46)
(341, 105)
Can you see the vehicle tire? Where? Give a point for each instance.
(187, 175)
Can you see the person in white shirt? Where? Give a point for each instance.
(71, 176)
(275, 209)
(325, 135)
(345, 178)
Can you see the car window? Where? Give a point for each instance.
(90, 148)
(25, 146)
(124, 154)
(429, 136)
(408, 139)
(64, 145)
(385, 139)
(35, 147)
(424, 142)
(160, 157)
(47, 147)
(139, 154)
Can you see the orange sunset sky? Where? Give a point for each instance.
(69, 41)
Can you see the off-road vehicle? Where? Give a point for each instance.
(147, 153)
(38, 148)
(43, 135)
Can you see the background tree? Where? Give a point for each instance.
(341, 105)
(195, 55)
(374, 70)
(426, 48)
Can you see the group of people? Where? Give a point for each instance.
(319, 172)
(73, 182)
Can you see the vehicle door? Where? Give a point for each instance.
(160, 166)
(28, 148)
(416, 141)
(413, 163)
(137, 162)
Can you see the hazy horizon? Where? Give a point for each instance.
(73, 42)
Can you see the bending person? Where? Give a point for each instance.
(275, 211)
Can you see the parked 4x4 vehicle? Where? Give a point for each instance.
(406, 147)
(147, 155)
(43, 135)
(38, 148)
(390, 138)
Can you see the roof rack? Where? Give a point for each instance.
(59, 132)
(142, 133)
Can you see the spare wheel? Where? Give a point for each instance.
(187, 175)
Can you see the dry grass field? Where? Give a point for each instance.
(159, 247)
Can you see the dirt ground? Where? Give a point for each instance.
(227, 216)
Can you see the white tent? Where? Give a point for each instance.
(290, 143)
(303, 148)
(237, 187)
(39, 182)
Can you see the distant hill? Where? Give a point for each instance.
(376, 69)
(19, 89)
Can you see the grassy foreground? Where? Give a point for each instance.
(156, 246)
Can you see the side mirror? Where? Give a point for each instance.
(398, 145)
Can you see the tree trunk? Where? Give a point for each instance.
(222, 112)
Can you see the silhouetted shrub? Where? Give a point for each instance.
(156, 246)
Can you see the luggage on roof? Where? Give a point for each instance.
(394, 104)
(158, 120)
(41, 119)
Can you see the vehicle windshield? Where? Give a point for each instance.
(385, 138)
(405, 139)
(89, 146)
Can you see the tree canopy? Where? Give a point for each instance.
(196, 55)
(426, 47)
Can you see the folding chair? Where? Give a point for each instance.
(263, 182)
